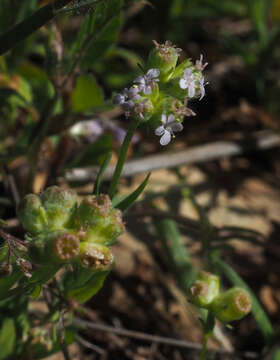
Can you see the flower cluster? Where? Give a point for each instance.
(160, 96)
(226, 306)
(65, 232)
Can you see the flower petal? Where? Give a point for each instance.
(165, 139)
(191, 89)
(177, 127)
(153, 73)
(148, 90)
(170, 119)
(160, 130)
(202, 88)
(140, 80)
(188, 74)
(118, 99)
(163, 118)
(183, 84)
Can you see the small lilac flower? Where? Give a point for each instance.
(188, 82)
(146, 82)
(119, 99)
(199, 65)
(127, 99)
(166, 131)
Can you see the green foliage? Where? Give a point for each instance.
(91, 287)
(7, 337)
(60, 61)
(86, 85)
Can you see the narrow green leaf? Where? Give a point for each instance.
(176, 252)
(122, 157)
(103, 167)
(7, 338)
(124, 204)
(25, 28)
(257, 309)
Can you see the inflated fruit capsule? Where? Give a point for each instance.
(32, 214)
(65, 247)
(205, 289)
(95, 256)
(164, 57)
(105, 232)
(59, 205)
(93, 210)
(232, 305)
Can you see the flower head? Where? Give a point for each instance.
(146, 82)
(167, 129)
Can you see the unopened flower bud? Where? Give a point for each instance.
(205, 289)
(32, 214)
(232, 305)
(164, 57)
(59, 205)
(96, 257)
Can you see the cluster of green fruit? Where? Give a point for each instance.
(226, 306)
(65, 232)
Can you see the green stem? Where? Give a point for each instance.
(122, 157)
(203, 354)
(28, 26)
(208, 328)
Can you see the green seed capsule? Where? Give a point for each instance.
(205, 289)
(32, 214)
(54, 247)
(65, 247)
(95, 257)
(100, 221)
(59, 205)
(164, 57)
(93, 210)
(232, 305)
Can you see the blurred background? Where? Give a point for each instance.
(57, 123)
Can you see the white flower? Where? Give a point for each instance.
(167, 129)
(146, 82)
(188, 82)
